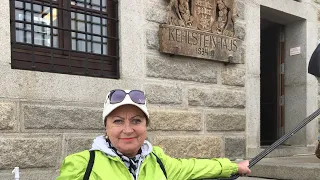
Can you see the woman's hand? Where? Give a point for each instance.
(243, 168)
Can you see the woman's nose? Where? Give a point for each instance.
(127, 128)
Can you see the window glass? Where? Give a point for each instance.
(40, 24)
(88, 33)
(91, 4)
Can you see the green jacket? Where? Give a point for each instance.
(112, 168)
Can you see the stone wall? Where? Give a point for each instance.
(197, 107)
(36, 135)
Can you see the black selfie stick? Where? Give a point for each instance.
(273, 146)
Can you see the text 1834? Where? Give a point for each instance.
(205, 52)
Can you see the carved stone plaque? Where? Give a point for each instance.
(202, 29)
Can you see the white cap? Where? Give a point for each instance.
(108, 108)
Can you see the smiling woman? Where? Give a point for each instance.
(124, 153)
(126, 128)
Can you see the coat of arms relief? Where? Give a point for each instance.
(215, 16)
(201, 28)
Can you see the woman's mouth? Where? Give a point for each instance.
(127, 139)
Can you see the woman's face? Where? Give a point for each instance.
(126, 128)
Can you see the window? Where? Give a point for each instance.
(64, 36)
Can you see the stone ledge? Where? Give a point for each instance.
(295, 168)
(282, 151)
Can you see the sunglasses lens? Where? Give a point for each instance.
(137, 97)
(117, 96)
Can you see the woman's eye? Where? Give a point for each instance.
(136, 121)
(118, 121)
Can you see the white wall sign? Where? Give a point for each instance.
(295, 51)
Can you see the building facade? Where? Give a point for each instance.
(56, 70)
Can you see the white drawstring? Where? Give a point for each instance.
(16, 173)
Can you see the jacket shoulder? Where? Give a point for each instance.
(158, 151)
(74, 165)
(82, 156)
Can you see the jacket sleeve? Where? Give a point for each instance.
(196, 168)
(74, 166)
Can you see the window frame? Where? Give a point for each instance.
(63, 59)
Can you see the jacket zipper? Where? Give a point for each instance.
(118, 159)
(139, 164)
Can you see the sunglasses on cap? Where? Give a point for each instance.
(118, 95)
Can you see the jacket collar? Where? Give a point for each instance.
(100, 144)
